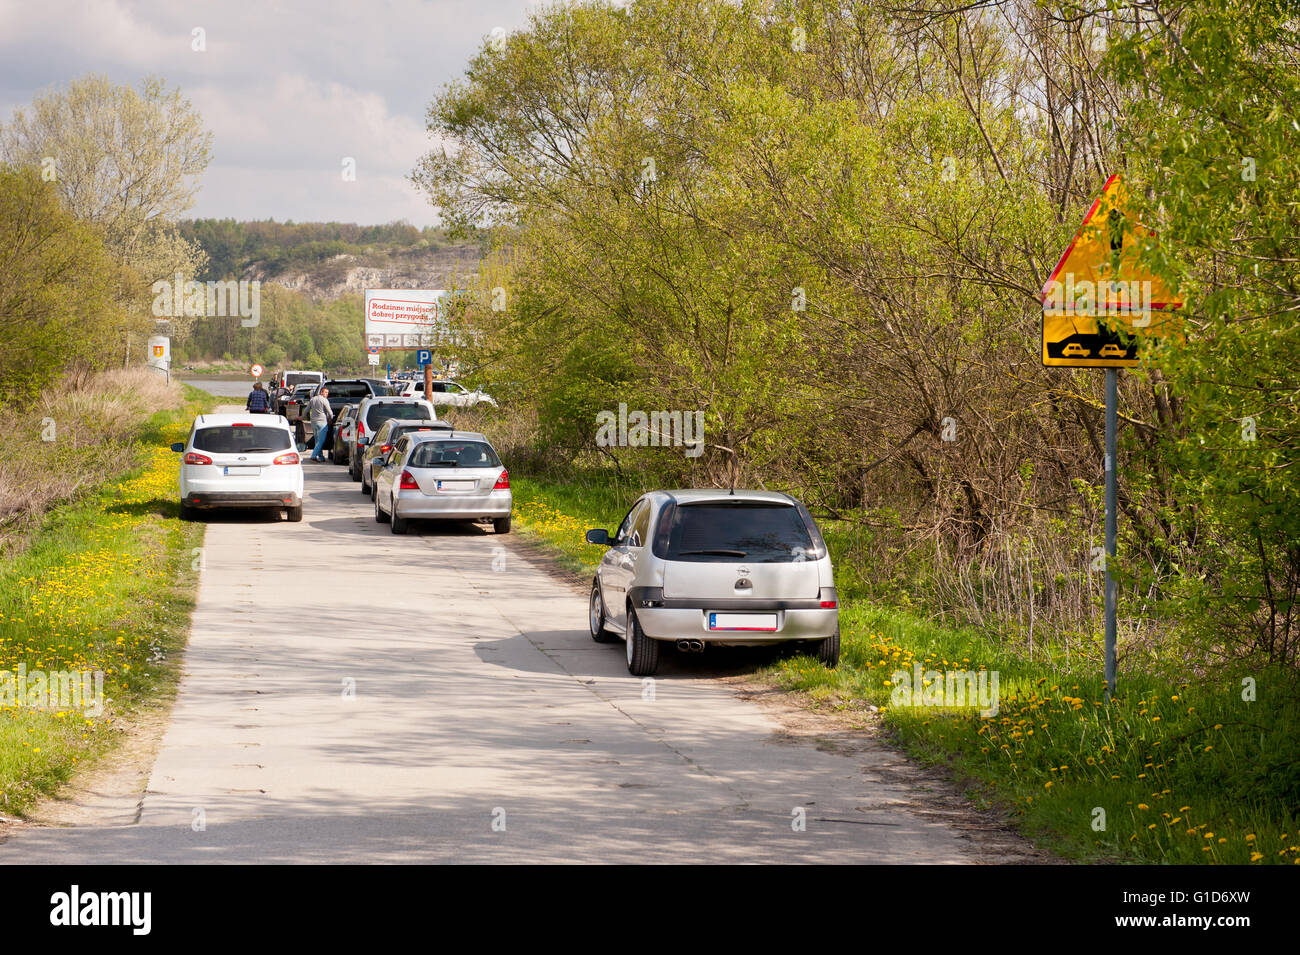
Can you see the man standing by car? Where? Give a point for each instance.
(259, 402)
(319, 411)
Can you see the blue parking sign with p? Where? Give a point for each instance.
(424, 357)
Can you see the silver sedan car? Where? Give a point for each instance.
(700, 567)
(442, 475)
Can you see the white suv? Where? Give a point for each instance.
(449, 393)
(240, 460)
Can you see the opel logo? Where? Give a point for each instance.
(742, 571)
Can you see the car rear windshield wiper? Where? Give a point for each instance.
(254, 450)
(727, 553)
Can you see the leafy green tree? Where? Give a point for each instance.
(60, 289)
(1215, 133)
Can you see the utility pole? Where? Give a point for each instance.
(1112, 496)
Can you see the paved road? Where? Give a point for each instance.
(485, 725)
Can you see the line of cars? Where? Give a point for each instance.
(292, 391)
(415, 466)
(693, 568)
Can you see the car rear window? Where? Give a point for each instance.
(381, 411)
(398, 431)
(749, 530)
(239, 439)
(348, 389)
(453, 454)
(291, 381)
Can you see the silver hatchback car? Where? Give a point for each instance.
(442, 475)
(700, 567)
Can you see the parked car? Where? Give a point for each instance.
(381, 386)
(291, 404)
(449, 393)
(240, 460)
(368, 455)
(374, 412)
(345, 426)
(342, 392)
(292, 378)
(701, 567)
(431, 476)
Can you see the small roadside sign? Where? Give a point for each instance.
(373, 358)
(256, 371)
(424, 357)
(1093, 312)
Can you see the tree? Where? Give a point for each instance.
(60, 290)
(126, 160)
(1215, 124)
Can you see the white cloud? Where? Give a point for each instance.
(287, 88)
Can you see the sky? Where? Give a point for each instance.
(288, 89)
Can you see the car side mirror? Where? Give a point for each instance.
(598, 536)
(178, 447)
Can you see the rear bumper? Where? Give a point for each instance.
(678, 619)
(453, 506)
(205, 499)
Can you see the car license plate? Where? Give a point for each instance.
(456, 485)
(242, 472)
(742, 621)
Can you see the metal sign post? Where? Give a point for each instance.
(1112, 495)
(1102, 273)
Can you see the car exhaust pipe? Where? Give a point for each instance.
(690, 646)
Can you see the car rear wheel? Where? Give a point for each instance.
(596, 616)
(187, 512)
(642, 652)
(380, 516)
(828, 651)
(295, 513)
(501, 525)
(398, 524)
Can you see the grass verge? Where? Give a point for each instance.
(104, 587)
(1172, 770)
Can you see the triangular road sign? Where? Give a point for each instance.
(1086, 286)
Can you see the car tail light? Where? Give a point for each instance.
(193, 458)
(242, 424)
(385, 448)
(290, 458)
(829, 604)
(361, 429)
(503, 482)
(408, 482)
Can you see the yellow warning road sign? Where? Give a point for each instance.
(1094, 312)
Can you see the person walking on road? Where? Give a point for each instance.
(259, 402)
(318, 409)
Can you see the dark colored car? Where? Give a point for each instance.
(369, 460)
(345, 423)
(375, 411)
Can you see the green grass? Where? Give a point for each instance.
(1184, 769)
(106, 585)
